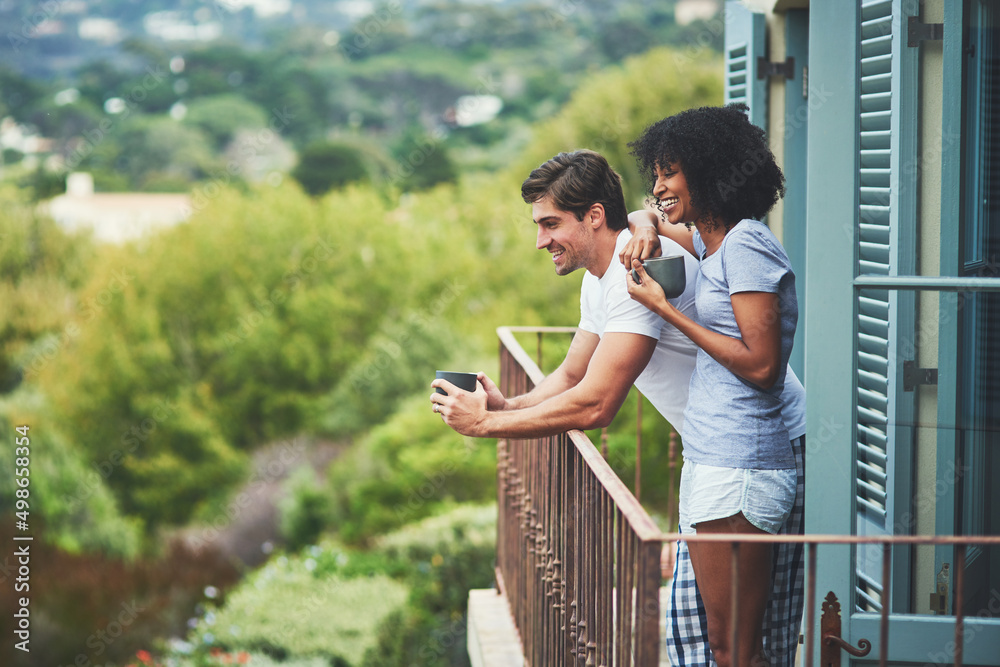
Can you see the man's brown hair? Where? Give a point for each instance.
(576, 181)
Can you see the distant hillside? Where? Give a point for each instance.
(157, 96)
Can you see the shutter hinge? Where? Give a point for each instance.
(766, 68)
(917, 32)
(913, 376)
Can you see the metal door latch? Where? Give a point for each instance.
(939, 598)
(831, 642)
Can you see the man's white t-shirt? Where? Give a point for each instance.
(606, 307)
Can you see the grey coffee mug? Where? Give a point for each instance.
(466, 381)
(668, 272)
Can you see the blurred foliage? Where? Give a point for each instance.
(408, 468)
(208, 342)
(609, 110)
(305, 509)
(270, 313)
(222, 116)
(40, 183)
(155, 153)
(40, 269)
(422, 162)
(19, 94)
(67, 494)
(453, 553)
(402, 66)
(276, 80)
(329, 165)
(98, 608)
(400, 603)
(398, 361)
(456, 548)
(292, 609)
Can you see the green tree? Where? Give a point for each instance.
(41, 183)
(221, 116)
(219, 335)
(66, 123)
(156, 152)
(328, 165)
(625, 37)
(68, 494)
(422, 162)
(453, 553)
(217, 69)
(11, 156)
(19, 95)
(40, 268)
(98, 80)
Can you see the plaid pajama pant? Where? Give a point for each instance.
(687, 634)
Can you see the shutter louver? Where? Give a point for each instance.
(878, 253)
(874, 256)
(745, 41)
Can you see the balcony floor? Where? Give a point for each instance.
(493, 640)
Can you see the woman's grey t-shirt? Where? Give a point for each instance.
(730, 422)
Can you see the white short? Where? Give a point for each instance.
(707, 493)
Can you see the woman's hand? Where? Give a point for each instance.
(644, 242)
(643, 245)
(647, 291)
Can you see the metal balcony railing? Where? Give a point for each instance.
(578, 558)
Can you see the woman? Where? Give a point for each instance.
(711, 169)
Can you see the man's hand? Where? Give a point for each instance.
(495, 399)
(462, 410)
(614, 364)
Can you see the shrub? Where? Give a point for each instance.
(453, 553)
(305, 510)
(290, 609)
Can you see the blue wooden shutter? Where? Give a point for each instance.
(745, 42)
(874, 255)
(886, 227)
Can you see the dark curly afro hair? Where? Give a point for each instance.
(730, 171)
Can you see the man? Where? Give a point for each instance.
(577, 204)
(579, 209)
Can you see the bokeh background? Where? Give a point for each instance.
(236, 240)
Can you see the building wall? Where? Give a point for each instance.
(929, 261)
(776, 112)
